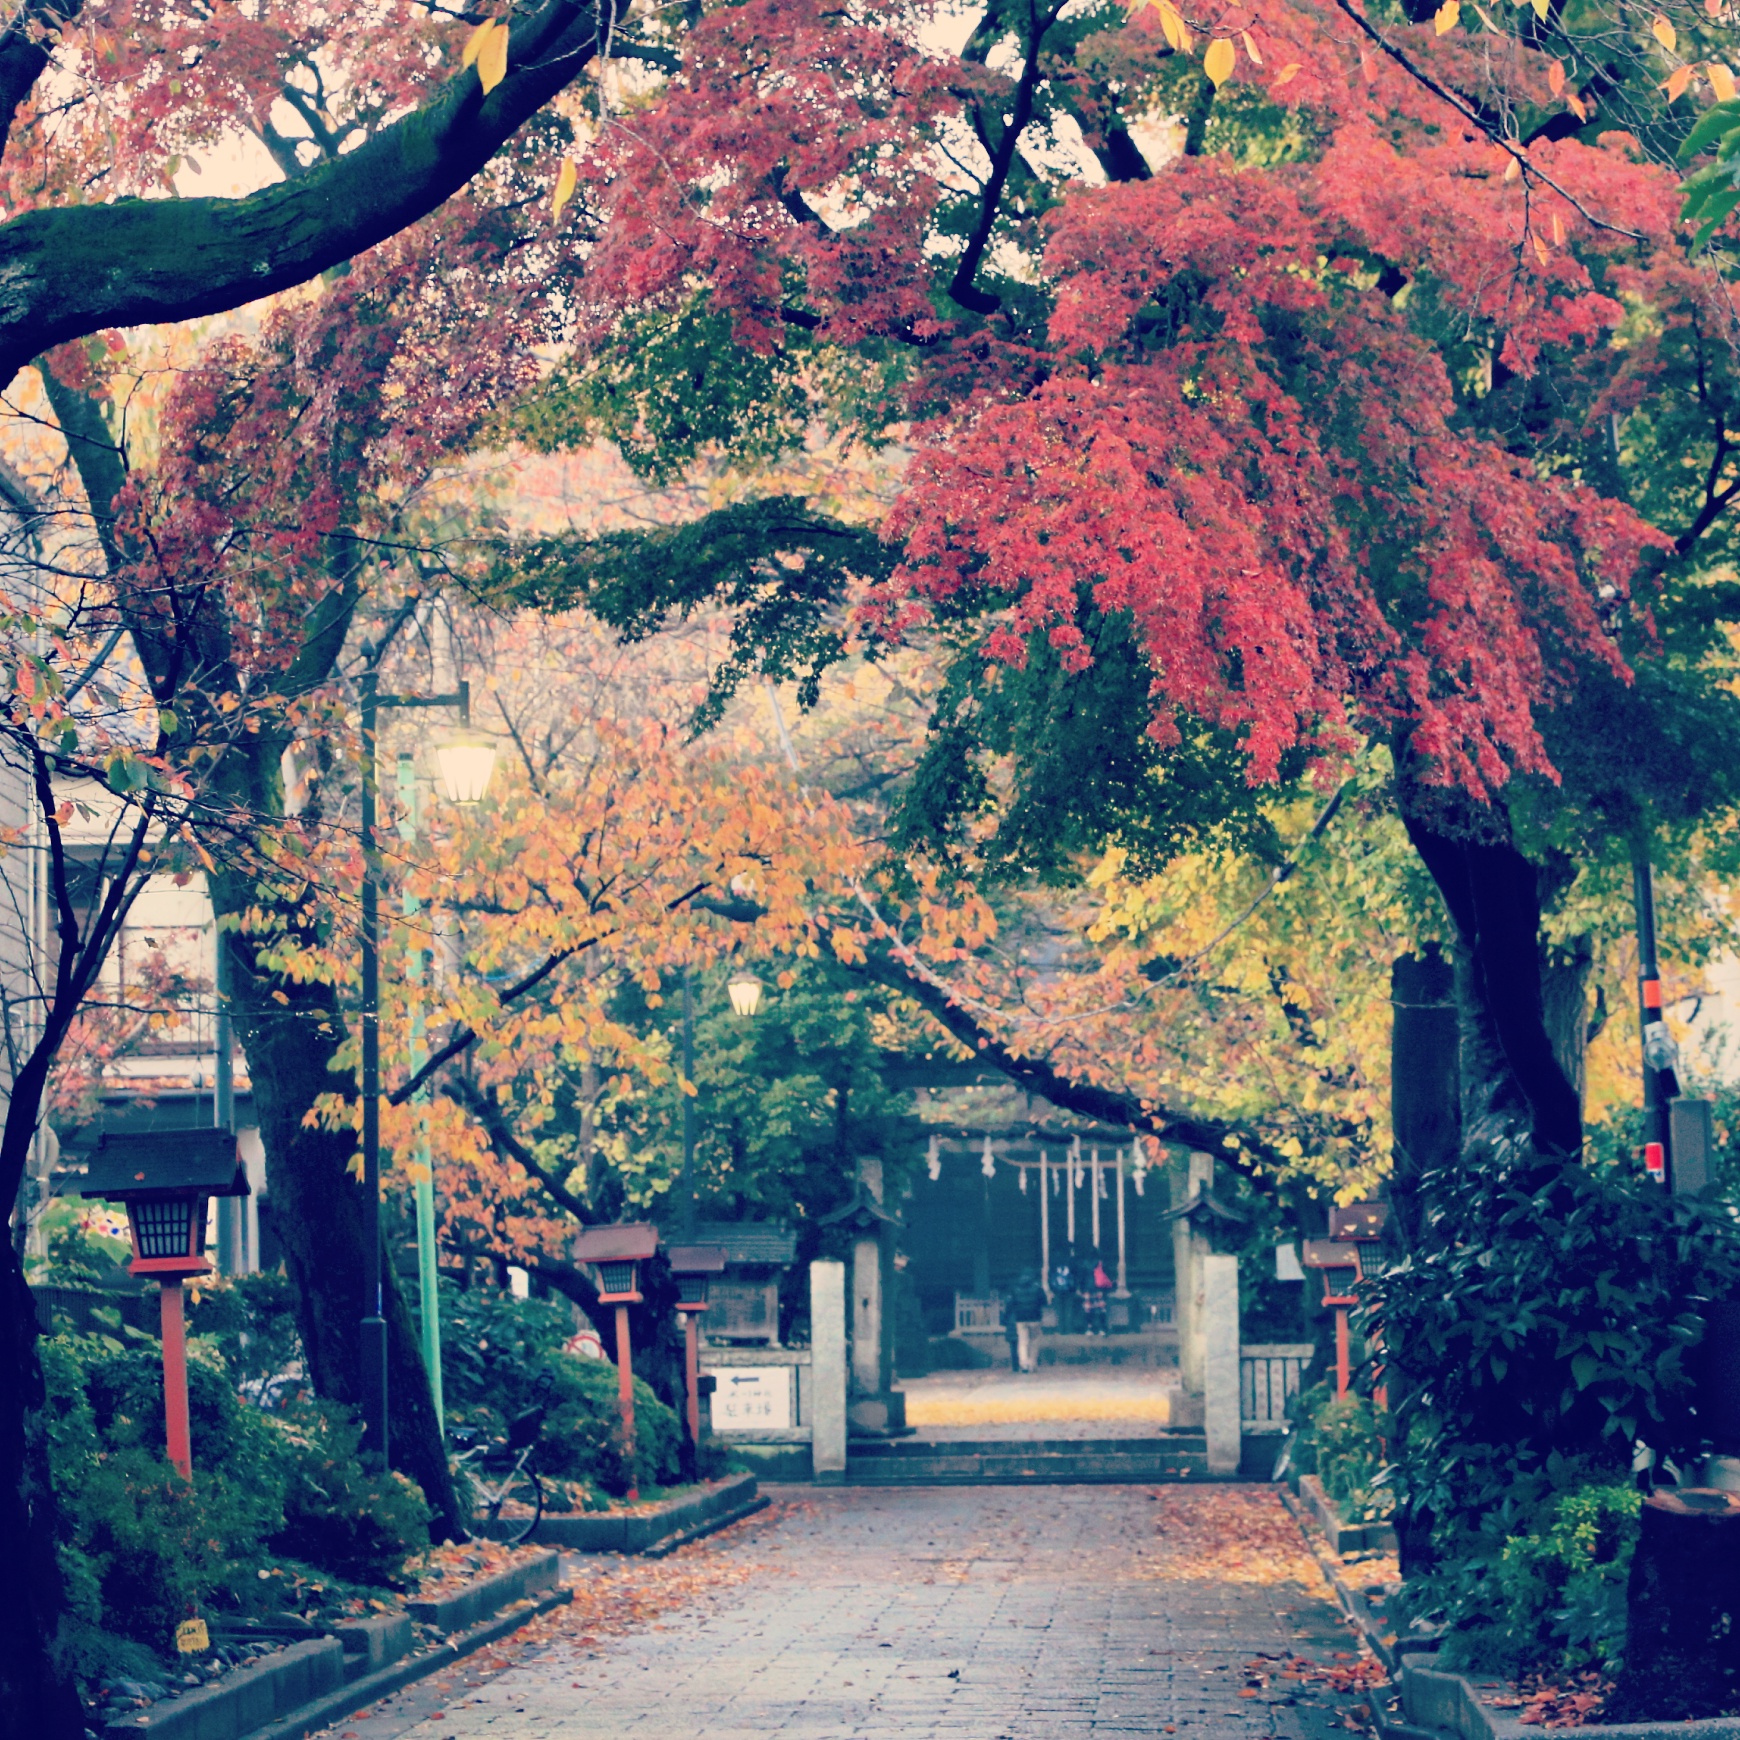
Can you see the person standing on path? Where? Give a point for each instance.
(1024, 1302)
(1063, 1291)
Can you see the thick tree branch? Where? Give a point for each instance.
(962, 288)
(466, 1037)
(469, 1097)
(1105, 1104)
(75, 270)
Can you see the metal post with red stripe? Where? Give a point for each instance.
(1659, 1084)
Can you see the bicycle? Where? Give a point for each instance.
(501, 1497)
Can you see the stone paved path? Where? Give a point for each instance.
(983, 1613)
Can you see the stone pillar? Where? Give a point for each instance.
(867, 1315)
(1219, 1307)
(1188, 1249)
(828, 1370)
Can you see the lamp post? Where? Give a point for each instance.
(1339, 1257)
(164, 1181)
(744, 989)
(465, 764)
(423, 1183)
(692, 1265)
(617, 1252)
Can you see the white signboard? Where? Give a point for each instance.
(751, 1398)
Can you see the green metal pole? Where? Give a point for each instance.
(428, 1289)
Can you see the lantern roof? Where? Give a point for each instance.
(1331, 1254)
(632, 1242)
(1360, 1222)
(696, 1259)
(166, 1162)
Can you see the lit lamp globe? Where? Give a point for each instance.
(745, 992)
(466, 760)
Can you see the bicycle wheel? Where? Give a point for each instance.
(509, 1512)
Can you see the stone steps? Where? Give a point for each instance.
(1170, 1456)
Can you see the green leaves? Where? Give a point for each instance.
(780, 567)
(1543, 1322)
(1714, 191)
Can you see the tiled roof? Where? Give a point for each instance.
(749, 1241)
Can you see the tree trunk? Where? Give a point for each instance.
(1566, 969)
(1425, 1110)
(36, 1694)
(1513, 1086)
(317, 1205)
(1426, 1127)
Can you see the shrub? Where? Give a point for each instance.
(139, 1549)
(1544, 1322)
(1339, 1442)
(493, 1348)
(956, 1353)
(338, 1517)
(1558, 1596)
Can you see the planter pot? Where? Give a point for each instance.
(660, 1527)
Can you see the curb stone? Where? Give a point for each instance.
(1375, 1537)
(709, 1526)
(1385, 1702)
(372, 1687)
(243, 1701)
(1442, 1702)
(456, 1612)
(658, 1531)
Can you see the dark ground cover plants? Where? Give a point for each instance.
(1545, 1320)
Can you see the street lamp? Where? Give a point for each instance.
(373, 1335)
(691, 1265)
(745, 991)
(164, 1181)
(617, 1252)
(466, 760)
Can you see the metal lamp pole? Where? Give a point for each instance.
(373, 1332)
(428, 1274)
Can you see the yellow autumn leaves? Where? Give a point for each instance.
(487, 49)
(1219, 58)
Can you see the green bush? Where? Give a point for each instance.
(1557, 1597)
(140, 1549)
(493, 1348)
(337, 1517)
(1543, 1322)
(1339, 1441)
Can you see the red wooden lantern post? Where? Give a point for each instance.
(1338, 1256)
(692, 1264)
(164, 1180)
(617, 1252)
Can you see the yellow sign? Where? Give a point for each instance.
(191, 1637)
